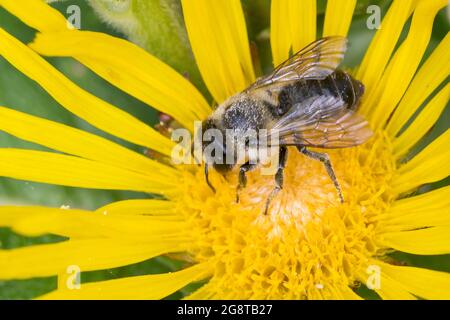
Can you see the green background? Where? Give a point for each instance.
(18, 92)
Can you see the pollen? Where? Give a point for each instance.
(309, 245)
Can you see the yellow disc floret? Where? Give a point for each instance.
(309, 244)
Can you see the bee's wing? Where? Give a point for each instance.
(315, 62)
(331, 126)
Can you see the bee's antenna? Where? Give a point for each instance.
(207, 178)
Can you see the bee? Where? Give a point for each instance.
(307, 99)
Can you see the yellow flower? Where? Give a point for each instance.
(309, 245)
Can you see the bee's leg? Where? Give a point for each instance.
(323, 157)
(246, 167)
(207, 178)
(282, 158)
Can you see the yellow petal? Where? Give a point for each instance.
(93, 254)
(403, 65)
(149, 287)
(280, 40)
(36, 221)
(139, 207)
(433, 199)
(37, 14)
(382, 45)
(338, 24)
(429, 241)
(302, 17)
(13, 216)
(72, 171)
(424, 283)
(120, 62)
(77, 142)
(292, 26)
(218, 37)
(422, 123)
(433, 72)
(83, 104)
(430, 165)
(345, 293)
(426, 210)
(131, 69)
(387, 288)
(204, 293)
(392, 290)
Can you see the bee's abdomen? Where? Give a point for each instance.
(338, 86)
(346, 87)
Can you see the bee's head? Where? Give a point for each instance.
(214, 146)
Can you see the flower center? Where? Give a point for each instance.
(309, 243)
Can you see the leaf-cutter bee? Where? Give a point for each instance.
(307, 100)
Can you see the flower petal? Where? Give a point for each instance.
(429, 241)
(36, 221)
(345, 293)
(433, 72)
(218, 37)
(302, 17)
(381, 47)
(428, 284)
(120, 62)
(280, 40)
(93, 254)
(392, 290)
(430, 165)
(47, 167)
(430, 200)
(139, 207)
(77, 142)
(338, 24)
(37, 14)
(430, 209)
(403, 64)
(204, 293)
(131, 69)
(386, 287)
(422, 123)
(149, 287)
(297, 16)
(12, 216)
(85, 105)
